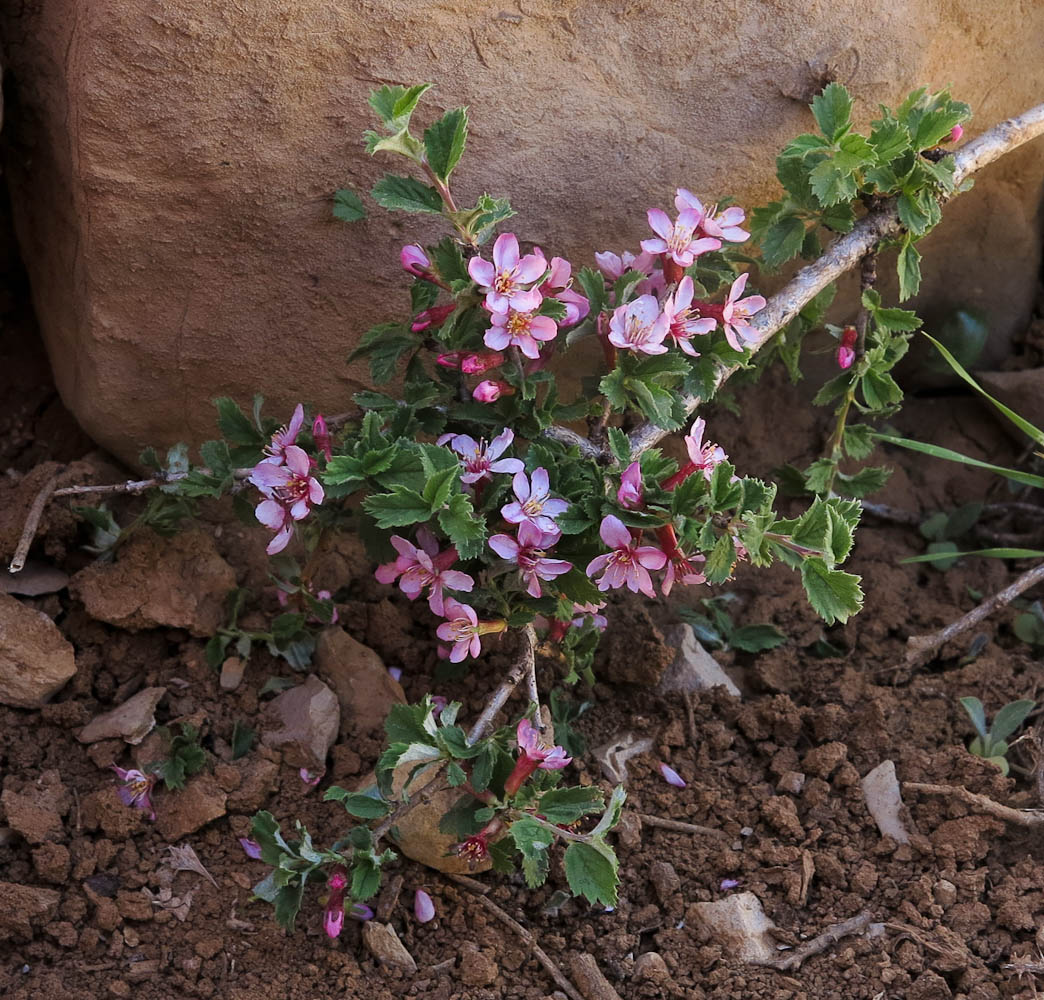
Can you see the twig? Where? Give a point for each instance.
(921, 648)
(32, 522)
(690, 717)
(1021, 817)
(523, 666)
(794, 959)
(541, 956)
(677, 826)
(847, 251)
(885, 512)
(437, 784)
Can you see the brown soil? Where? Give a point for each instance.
(959, 905)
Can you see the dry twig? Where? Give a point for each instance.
(677, 826)
(32, 522)
(1021, 817)
(524, 666)
(794, 959)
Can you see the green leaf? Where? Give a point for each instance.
(366, 879)
(831, 184)
(890, 139)
(858, 440)
(620, 445)
(834, 594)
(406, 194)
(909, 268)
(592, 283)
(242, 740)
(722, 558)
(591, 874)
(804, 144)
(1009, 718)
(656, 403)
(397, 509)
(1016, 475)
(437, 488)
(563, 806)
(407, 724)
(782, 240)
(357, 804)
(756, 638)
(235, 425)
(490, 212)
(977, 714)
(940, 553)
(348, 206)
(864, 482)
(465, 529)
(532, 840)
(880, 390)
(395, 104)
(833, 110)
(444, 142)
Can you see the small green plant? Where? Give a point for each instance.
(1029, 626)
(716, 629)
(943, 529)
(991, 743)
(185, 758)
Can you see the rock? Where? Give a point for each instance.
(180, 581)
(665, 880)
(359, 678)
(38, 821)
(197, 804)
(258, 781)
(589, 979)
(132, 721)
(929, 985)
(477, 968)
(791, 782)
(945, 892)
(36, 660)
(34, 579)
(231, 673)
(302, 722)
(143, 333)
(25, 907)
(383, 943)
(650, 967)
(738, 924)
(693, 669)
(1021, 391)
(884, 802)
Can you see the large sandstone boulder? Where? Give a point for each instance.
(171, 165)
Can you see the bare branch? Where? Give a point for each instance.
(522, 667)
(1021, 817)
(32, 522)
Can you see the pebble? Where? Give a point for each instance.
(231, 673)
(651, 967)
(383, 943)
(665, 880)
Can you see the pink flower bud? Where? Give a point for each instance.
(671, 776)
(476, 364)
(415, 260)
(630, 493)
(423, 907)
(321, 434)
(435, 316)
(955, 133)
(491, 390)
(846, 352)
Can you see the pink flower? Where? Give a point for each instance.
(333, 918)
(502, 280)
(846, 352)
(557, 285)
(136, 789)
(628, 564)
(671, 776)
(614, 267)
(415, 260)
(630, 493)
(585, 611)
(955, 133)
(529, 553)
(423, 907)
(285, 437)
(533, 502)
(311, 778)
(251, 848)
(490, 390)
(321, 436)
(479, 459)
(680, 568)
(704, 457)
(291, 492)
(422, 565)
(435, 316)
(683, 321)
(464, 630)
(534, 756)
(678, 240)
(523, 330)
(736, 313)
(639, 326)
(724, 226)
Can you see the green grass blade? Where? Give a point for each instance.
(1026, 478)
(985, 553)
(1023, 425)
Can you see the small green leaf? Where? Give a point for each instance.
(864, 482)
(566, 805)
(834, 594)
(395, 104)
(406, 194)
(756, 638)
(858, 440)
(465, 529)
(357, 804)
(348, 206)
(397, 509)
(235, 425)
(444, 142)
(1009, 718)
(782, 240)
(909, 267)
(833, 110)
(591, 873)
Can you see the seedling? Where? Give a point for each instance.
(991, 743)
(943, 530)
(186, 757)
(1029, 626)
(716, 629)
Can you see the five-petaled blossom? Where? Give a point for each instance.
(523, 330)
(683, 321)
(529, 552)
(680, 567)
(630, 494)
(136, 789)
(723, 226)
(475, 849)
(480, 459)
(464, 630)
(534, 755)
(423, 565)
(284, 437)
(333, 918)
(557, 285)
(503, 280)
(533, 502)
(639, 326)
(678, 240)
(704, 457)
(736, 313)
(291, 491)
(629, 563)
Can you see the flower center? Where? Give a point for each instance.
(533, 506)
(518, 323)
(681, 237)
(504, 283)
(636, 329)
(461, 629)
(294, 489)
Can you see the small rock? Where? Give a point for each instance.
(383, 943)
(665, 880)
(303, 722)
(738, 924)
(589, 979)
(106, 915)
(64, 933)
(102, 809)
(945, 892)
(929, 985)
(650, 967)
(781, 814)
(145, 969)
(34, 579)
(25, 907)
(52, 863)
(132, 721)
(791, 782)
(200, 802)
(231, 673)
(228, 777)
(34, 818)
(359, 678)
(884, 802)
(477, 968)
(258, 781)
(823, 761)
(208, 947)
(629, 830)
(36, 660)
(119, 989)
(134, 906)
(693, 669)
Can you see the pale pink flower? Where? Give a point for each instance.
(723, 226)
(736, 313)
(311, 778)
(613, 266)
(533, 502)
(678, 240)
(135, 789)
(628, 564)
(503, 280)
(703, 457)
(683, 321)
(585, 611)
(423, 565)
(534, 756)
(291, 491)
(285, 437)
(630, 493)
(529, 552)
(415, 260)
(523, 330)
(423, 907)
(490, 390)
(671, 776)
(464, 630)
(480, 459)
(558, 285)
(639, 326)
(680, 569)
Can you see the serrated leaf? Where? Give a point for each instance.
(348, 206)
(235, 425)
(864, 482)
(832, 184)
(357, 804)
(466, 531)
(656, 403)
(833, 110)
(406, 194)
(563, 806)
(619, 445)
(756, 638)
(889, 139)
(444, 142)
(397, 509)
(395, 104)
(591, 874)
(908, 266)
(782, 240)
(834, 594)
(880, 390)
(718, 567)
(858, 440)
(437, 489)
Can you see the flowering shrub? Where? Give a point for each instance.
(472, 492)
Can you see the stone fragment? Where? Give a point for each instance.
(650, 967)
(35, 819)
(693, 668)
(183, 812)
(231, 673)
(132, 721)
(589, 979)
(884, 802)
(781, 814)
(823, 761)
(25, 907)
(791, 782)
(383, 943)
(303, 722)
(180, 581)
(259, 780)
(665, 880)
(738, 924)
(477, 967)
(36, 660)
(359, 678)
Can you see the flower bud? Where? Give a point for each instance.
(435, 316)
(490, 391)
(955, 133)
(476, 364)
(415, 260)
(321, 435)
